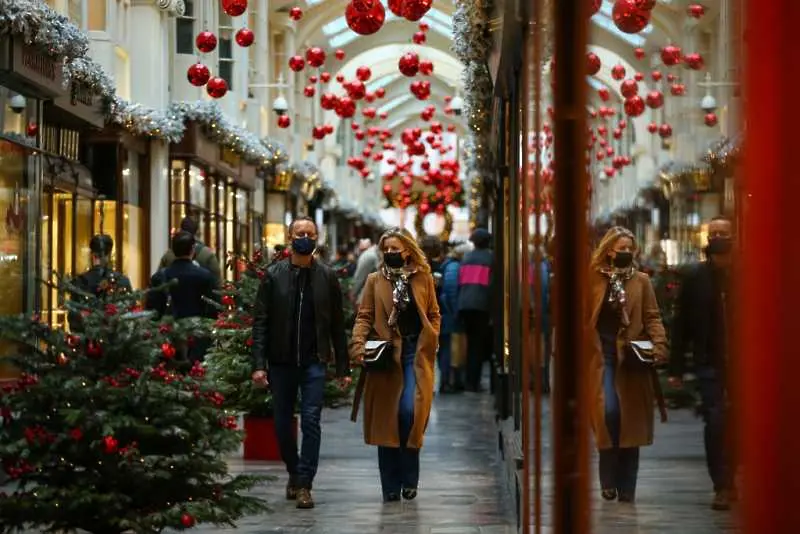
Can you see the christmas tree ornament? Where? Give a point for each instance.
(206, 42)
(639, 53)
(198, 74)
(110, 444)
(94, 349)
(245, 37)
(677, 89)
(345, 107)
(216, 87)
(696, 11)
(309, 91)
(234, 8)
(325, 77)
(671, 55)
(629, 88)
(652, 127)
(328, 129)
(655, 99)
(312, 79)
(32, 129)
(418, 38)
(315, 56)
(318, 132)
(295, 13)
(424, 26)
(339, 54)
(62, 359)
(628, 17)
(694, 61)
(618, 72)
(380, 92)
(408, 64)
(595, 7)
(187, 521)
(363, 73)
(646, 5)
(284, 121)
(356, 90)
(592, 64)
(638, 76)
(665, 131)
(365, 17)
(297, 63)
(710, 119)
(656, 75)
(604, 94)
(328, 101)
(414, 10)
(168, 350)
(340, 78)
(634, 106)
(426, 67)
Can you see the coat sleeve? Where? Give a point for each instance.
(681, 329)
(365, 319)
(261, 323)
(338, 335)
(212, 264)
(651, 319)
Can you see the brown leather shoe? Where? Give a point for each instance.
(291, 491)
(304, 499)
(722, 501)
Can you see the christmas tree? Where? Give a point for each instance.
(104, 432)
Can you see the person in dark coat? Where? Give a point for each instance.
(184, 298)
(203, 254)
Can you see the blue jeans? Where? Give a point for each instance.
(285, 380)
(619, 467)
(444, 356)
(712, 398)
(399, 467)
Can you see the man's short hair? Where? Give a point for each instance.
(189, 225)
(183, 244)
(431, 246)
(303, 218)
(101, 245)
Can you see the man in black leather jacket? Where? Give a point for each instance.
(298, 329)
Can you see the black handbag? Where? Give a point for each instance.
(377, 355)
(642, 353)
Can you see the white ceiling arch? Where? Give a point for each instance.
(383, 61)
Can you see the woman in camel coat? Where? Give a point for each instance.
(399, 305)
(623, 308)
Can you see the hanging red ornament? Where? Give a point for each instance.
(655, 99)
(198, 74)
(665, 131)
(634, 106)
(297, 63)
(345, 107)
(451, 128)
(671, 77)
(328, 129)
(318, 132)
(168, 350)
(356, 90)
(216, 87)
(629, 88)
(418, 38)
(629, 17)
(671, 55)
(396, 7)
(312, 79)
(592, 64)
(284, 121)
(309, 91)
(365, 17)
(234, 8)
(618, 72)
(328, 101)
(639, 53)
(339, 54)
(206, 42)
(646, 5)
(340, 78)
(617, 133)
(384, 115)
(595, 7)
(187, 521)
(245, 37)
(110, 444)
(363, 73)
(315, 56)
(609, 171)
(426, 67)
(409, 64)
(710, 119)
(325, 77)
(696, 11)
(604, 94)
(694, 61)
(94, 349)
(677, 89)
(32, 129)
(656, 75)
(295, 14)
(652, 127)
(638, 76)
(424, 26)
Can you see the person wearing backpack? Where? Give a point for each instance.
(204, 256)
(451, 330)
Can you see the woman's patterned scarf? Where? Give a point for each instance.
(399, 278)
(616, 294)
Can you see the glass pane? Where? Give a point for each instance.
(184, 36)
(177, 212)
(75, 12)
(226, 71)
(83, 234)
(178, 182)
(197, 186)
(130, 180)
(105, 221)
(97, 15)
(133, 231)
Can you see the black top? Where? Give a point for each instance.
(96, 281)
(185, 297)
(608, 325)
(408, 321)
(303, 327)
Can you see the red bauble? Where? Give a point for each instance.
(328, 129)
(629, 17)
(694, 61)
(412, 10)
(451, 128)
(424, 26)
(655, 99)
(671, 55)
(328, 101)
(710, 119)
(315, 56)
(646, 5)
(365, 17)
(629, 88)
(198, 74)
(312, 79)
(284, 121)
(596, 5)
(340, 78)
(318, 132)
(295, 13)
(356, 90)
(592, 64)
(426, 67)
(94, 349)
(652, 127)
(339, 54)
(206, 42)
(234, 8)
(638, 76)
(187, 520)
(345, 107)
(396, 7)
(677, 89)
(32, 129)
(610, 172)
(409, 64)
(216, 87)
(110, 444)
(618, 72)
(696, 11)
(245, 37)
(665, 131)
(418, 38)
(370, 114)
(297, 63)
(604, 94)
(363, 73)
(325, 77)
(309, 91)
(639, 53)
(168, 350)
(617, 133)
(656, 75)
(634, 106)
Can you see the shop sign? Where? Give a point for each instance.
(25, 69)
(84, 103)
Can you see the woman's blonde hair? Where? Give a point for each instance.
(600, 254)
(418, 258)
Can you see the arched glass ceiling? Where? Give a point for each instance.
(392, 104)
(383, 81)
(603, 19)
(339, 34)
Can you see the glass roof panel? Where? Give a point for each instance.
(334, 27)
(383, 81)
(395, 102)
(342, 39)
(311, 3)
(339, 34)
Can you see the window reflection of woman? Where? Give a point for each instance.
(399, 305)
(623, 309)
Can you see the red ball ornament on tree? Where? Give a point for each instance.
(595, 7)
(652, 127)
(198, 74)
(284, 121)
(665, 131)
(325, 77)
(32, 129)
(696, 11)
(309, 91)
(295, 14)
(629, 88)
(629, 17)
(346, 107)
(639, 53)
(206, 42)
(297, 63)
(339, 54)
(710, 119)
(592, 64)
(408, 64)
(655, 99)
(234, 8)
(216, 87)
(318, 132)
(694, 61)
(418, 37)
(618, 72)
(671, 55)
(94, 349)
(110, 444)
(646, 5)
(426, 67)
(363, 73)
(365, 17)
(315, 56)
(187, 521)
(168, 350)
(245, 37)
(634, 106)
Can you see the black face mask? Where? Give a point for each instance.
(303, 245)
(622, 260)
(393, 260)
(719, 245)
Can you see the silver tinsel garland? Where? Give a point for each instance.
(56, 36)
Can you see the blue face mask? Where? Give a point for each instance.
(303, 245)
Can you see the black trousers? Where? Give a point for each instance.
(476, 327)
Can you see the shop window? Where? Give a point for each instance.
(122, 73)
(226, 47)
(75, 12)
(96, 11)
(230, 230)
(188, 193)
(184, 30)
(133, 223)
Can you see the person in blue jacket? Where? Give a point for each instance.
(546, 326)
(451, 380)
